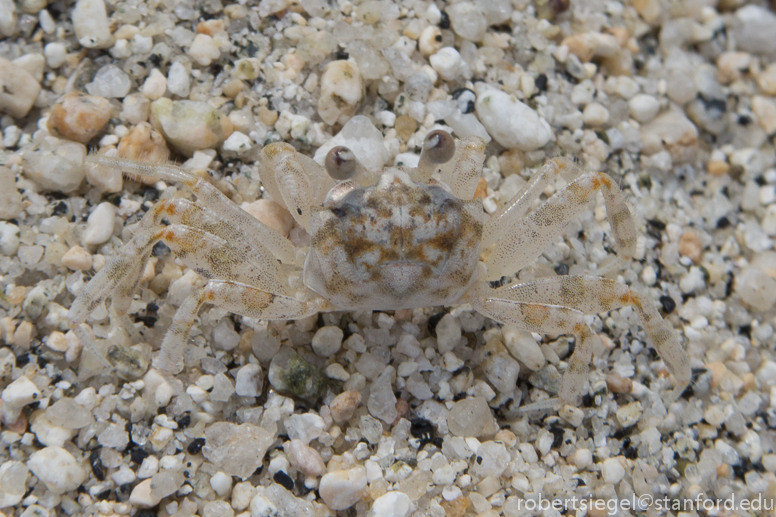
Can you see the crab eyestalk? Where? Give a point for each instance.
(341, 164)
(438, 148)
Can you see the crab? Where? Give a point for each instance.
(399, 238)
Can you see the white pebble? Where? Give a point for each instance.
(77, 259)
(90, 21)
(393, 504)
(327, 341)
(447, 63)
(342, 489)
(9, 238)
(341, 90)
(249, 380)
(20, 392)
(612, 470)
(155, 85)
(510, 122)
(99, 225)
(595, 115)
(262, 507)
(110, 82)
(55, 54)
(305, 459)
(221, 484)
(204, 50)
(238, 143)
(337, 372)
(57, 468)
(643, 107)
(582, 458)
(20, 89)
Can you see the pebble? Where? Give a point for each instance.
(13, 483)
(204, 50)
(135, 108)
(237, 450)
(327, 341)
(690, 246)
(271, 214)
(99, 225)
(629, 414)
(447, 62)
(249, 381)
(572, 415)
(48, 433)
(764, 109)
(341, 91)
(582, 458)
(344, 405)
(305, 459)
(238, 143)
(342, 489)
(190, 125)
(671, 131)
(751, 26)
(363, 139)
(9, 238)
(11, 203)
(588, 45)
(392, 504)
(55, 54)
(430, 41)
(20, 392)
(142, 142)
(19, 88)
(595, 115)
(643, 107)
(468, 21)
(757, 289)
(382, 401)
(261, 506)
(221, 484)
(510, 122)
(471, 417)
(110, 82)
(618, 384)
(79, 117)
(91, 25)
(448, 332)
(178, 80)
(612, 470)
(57, 469)
(292, 373)
(155, 85)
(305, 427)
(523, 347)
(500, 369)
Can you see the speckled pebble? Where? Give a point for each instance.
(79, 117)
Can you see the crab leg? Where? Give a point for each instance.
(234, 297)
(261, 236)
(592, 295)
(465, 169)
(522, 243)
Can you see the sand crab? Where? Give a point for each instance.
(385, 240)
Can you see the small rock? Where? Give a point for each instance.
(238, 450)
(500, 369)
(546, 378)
(595, 115)
(756, 289)
(448, 63)
(221, 484)
(327, 341)
(392, 504)
(751, 26)
(19, 89)
(468, 21)
(673, 132)
(99, 225)
(135, 108)
(344, 405)
(110, 82)
(204, 50)
(643, 107)
(588, 45)
(249, 381)
(572, 415)
(690, 246)
(261, 506)
(523, 347)
(90, 22)
(448, 332)
(382, 401)
(47, 432)
(178, 80)
(341, 91)
(11, 203)
(222, 388)
(510, 122)
(20, 392)
(766, 79)
(618, 384)
(629, 414)
(305, 459)
(292, 373)
(238, 143)
(57, 468)
(471, 417)
(13, 483)
(342, 489)
(79, 117)
(190, 126)
(430, 41)
(155, 85)
(271, 214)
(144, 143)
(68, 414)
(582, 458)
(764, 109)
(612, 470)
(363, 139)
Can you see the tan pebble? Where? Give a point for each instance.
(19, 426)
(233, 87)
(22, 337)
(16, 295)
(271, 214)
(430, 41)
(506, 436)
(57, 341)
(750, 381)
(717, 168)
(79, 117)
(591, 44)
(764, 109)
(405, 127)
(268, 117)
(457, 507)
(718, 371)
(650, 10)
(20, 89)
(344, 405)
(126, 32)
(211, 27)
(402, 410)
(766, 80)
(607, 342)
(190, 125)
(144, 143)
(620, 34)
(481, 192)
(731, 65)
(77, 259)
(690, 246)
(305, 458)
(150, 270)
(723, 471)
(511, 162)
(341, 91)
(618, 384)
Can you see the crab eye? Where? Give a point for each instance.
(341, 163)
(438, 147)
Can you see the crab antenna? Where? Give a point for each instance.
(341, 164)
(438, 148)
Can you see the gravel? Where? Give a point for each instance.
(397, 413)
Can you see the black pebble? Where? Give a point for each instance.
(96, 463)
(668, 304)
(138, 455)
(284, 480)
(195, 447)
(444, 21)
